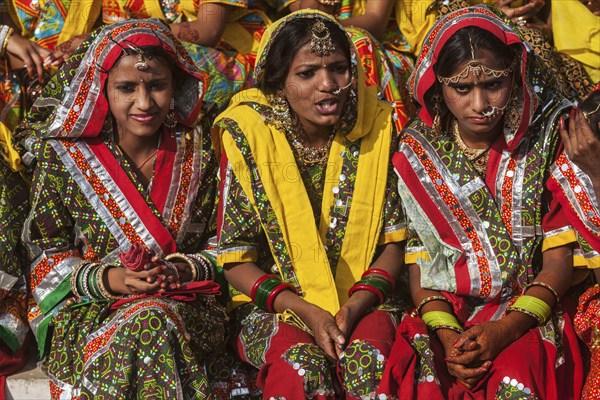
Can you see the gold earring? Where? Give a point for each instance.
(279, 115)
(437, 114)
(171, 118)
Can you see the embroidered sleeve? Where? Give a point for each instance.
(49, 232)
(555, 225)
(394, 226)
(575, 192)
(201, 233)
(13, 210)
(415, 249)
(239, 227)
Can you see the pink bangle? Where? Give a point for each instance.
(258, 282)
(369, 288)
(382, 273)
(278, 289)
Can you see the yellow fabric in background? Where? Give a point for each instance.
(8, 153)
(414, 21)
(80, 19)
(576, 32)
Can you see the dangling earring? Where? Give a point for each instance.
(437, 114)
(512, 118)
(280, 115)
(171, 119)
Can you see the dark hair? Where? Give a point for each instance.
(590, 105)
(156, 53)
(285, 46)
(457, 50)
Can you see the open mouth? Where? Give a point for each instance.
(328, 106)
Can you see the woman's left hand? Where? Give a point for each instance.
(490, 339)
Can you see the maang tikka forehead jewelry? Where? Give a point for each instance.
(141, 64)
(477, 69)
(320, 40)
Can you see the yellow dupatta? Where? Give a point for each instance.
(576, 32)
(289, 200)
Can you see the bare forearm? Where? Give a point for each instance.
(207, 28)
(418, 294)
(391, 259)
(243, 276)
(372, 25)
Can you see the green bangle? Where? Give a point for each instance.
(75, 276)
(264, 290)
(93, 283)
(532, 306)
(441, 319)
(380, 283)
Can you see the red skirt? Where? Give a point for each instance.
(292, 366)
(532, 367)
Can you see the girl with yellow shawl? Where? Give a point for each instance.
(309, 226)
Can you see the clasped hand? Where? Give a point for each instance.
(469, 354)
(156, 277)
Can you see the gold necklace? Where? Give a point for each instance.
(306, 154)
(477, 157)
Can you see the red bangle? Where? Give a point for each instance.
(258, 282)
(369, 288)
(382, 273)
(275, 292)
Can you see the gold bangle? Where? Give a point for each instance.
(451, 327)
(547, 287)
(187, 259)
(429, 299)
(101, 286)
(527, 312)
(73, 279)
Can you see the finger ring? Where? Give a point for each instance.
(521, 21)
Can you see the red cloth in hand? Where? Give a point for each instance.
(135, 258)
(188, 292)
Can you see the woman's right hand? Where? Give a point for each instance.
(467, 375)
(326, 332)
(126, 281)
(33, 56)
